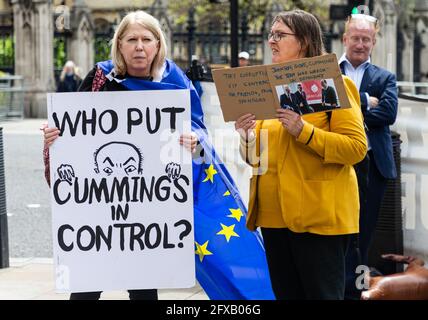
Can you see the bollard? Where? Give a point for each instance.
(388, 237)
(4, 243)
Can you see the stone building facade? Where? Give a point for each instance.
(37, 22)
(402, 45)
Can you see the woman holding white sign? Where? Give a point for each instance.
(304, 194)
(138, 63)
(138, 53)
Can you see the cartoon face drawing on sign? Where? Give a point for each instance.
(118, 158)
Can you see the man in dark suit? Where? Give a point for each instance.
(328, 95)
(288, 100)
(302, 102)
(379, 103)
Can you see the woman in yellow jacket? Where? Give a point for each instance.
(304, 192)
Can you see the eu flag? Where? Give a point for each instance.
(230, 259)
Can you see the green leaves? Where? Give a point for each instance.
(256, 11)
(6, 51)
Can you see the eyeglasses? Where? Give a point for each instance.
(277, 36)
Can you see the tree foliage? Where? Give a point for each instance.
(6, 51)
(217, 14)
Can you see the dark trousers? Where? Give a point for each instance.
(372, 187)
(148, 294)
(305, 266)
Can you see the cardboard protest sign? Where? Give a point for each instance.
(244, 90)
(305, 86)
(122, 198)
(320, 76)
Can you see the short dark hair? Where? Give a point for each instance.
(306, 29)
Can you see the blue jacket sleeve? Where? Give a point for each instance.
(385, 112)
(363, 99)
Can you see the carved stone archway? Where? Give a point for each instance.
(33, 30)
(385, 51)
(81, 43)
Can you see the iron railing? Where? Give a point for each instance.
(11, 97)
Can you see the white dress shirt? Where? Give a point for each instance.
(356, 74)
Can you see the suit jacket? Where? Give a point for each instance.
(301, 99)
(329, 96)
(382, 84)
(291, 101)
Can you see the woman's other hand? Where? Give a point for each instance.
(50, 134)
(291, 121)
(189, 141)
(245, 126)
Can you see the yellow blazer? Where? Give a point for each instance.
(318, 190)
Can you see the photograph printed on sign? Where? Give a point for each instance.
(308, 96)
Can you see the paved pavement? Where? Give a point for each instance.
(27, 194)
(31, 272)
(33, 279)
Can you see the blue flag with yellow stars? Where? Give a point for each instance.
(230, 259)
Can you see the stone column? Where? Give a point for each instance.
(421, 28)
(385, 51)
(407, 54)
(337, 44)
(167, 30)
(33, 30)
(81, 44)
(405, 42)
(158, 10)
(274, 10)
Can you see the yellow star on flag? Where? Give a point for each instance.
(202, 250)
(236, 213)
(228, 231)
(210, 173)
(227, 193)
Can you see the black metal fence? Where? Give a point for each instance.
(7, 50)
(212, 43)
(103, 35)
(388, 237)
(102, 45)
(4, 240)
(60, 53)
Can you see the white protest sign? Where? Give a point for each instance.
(122, 191)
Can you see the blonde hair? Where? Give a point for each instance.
(70, 64)
(148, 22)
